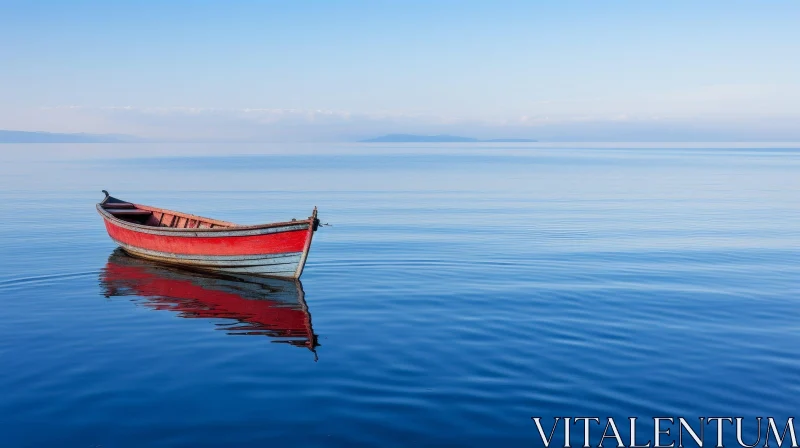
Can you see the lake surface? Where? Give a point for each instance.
(460, 291)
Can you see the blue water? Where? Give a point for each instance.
(460, 291)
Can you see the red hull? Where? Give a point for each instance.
(276, 243)
(276, 250)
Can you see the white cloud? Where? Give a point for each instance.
(736, 122)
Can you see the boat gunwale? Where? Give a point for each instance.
(193, 231)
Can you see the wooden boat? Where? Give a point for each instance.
(274, 250)
(255, 306)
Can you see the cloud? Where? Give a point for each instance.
(734, 123)
(248, 124)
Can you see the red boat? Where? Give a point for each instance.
(273, 250)
(254, 305)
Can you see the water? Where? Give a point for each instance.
(460, 291)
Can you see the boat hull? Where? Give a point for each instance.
(272, 250)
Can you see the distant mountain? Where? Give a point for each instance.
(411, 138)
(510, 140)
(49, 137)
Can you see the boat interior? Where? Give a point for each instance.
(156, 217)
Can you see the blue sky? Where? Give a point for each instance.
(324, 70)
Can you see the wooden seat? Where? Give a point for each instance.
(133, 212)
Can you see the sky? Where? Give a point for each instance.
(346, 70)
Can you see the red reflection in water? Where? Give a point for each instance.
(259, 306)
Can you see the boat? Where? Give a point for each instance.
(255, 305)
(273, 250)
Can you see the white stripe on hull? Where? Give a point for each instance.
(275, 265)
(272, 271)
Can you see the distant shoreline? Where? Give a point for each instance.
(52, 137)
(412, 138)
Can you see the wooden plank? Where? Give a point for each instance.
(130, 212)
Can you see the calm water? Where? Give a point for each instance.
(460, 291)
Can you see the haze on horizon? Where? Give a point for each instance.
(350, 70)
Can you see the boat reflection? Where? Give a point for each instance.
(257, 305)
